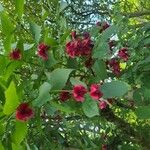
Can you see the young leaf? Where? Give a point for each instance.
(143, 112)
(1, 146)
(58, 78)
(114, 89)
(7, 26)
(90, 107)
(35, 30)
(19, 6)
(20, 132)
(12, 100)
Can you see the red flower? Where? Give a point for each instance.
(87, 46)
(86, 35)
(15, 54)
(43, 51)
(102, 105)
(95, 92)
(78, 92)
(123, 53)
(114, 64)
(104, 147)
(64, 95)
(79, 46)
(73, 48)
(24, 112)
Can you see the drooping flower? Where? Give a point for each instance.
(115, 66)
(64, 95)
(24, 112)
(15, 54)
(123, 54)
(43, 51)
(95, 92)
(102, 105)
(78, 92)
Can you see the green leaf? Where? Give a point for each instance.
(44, 95)
(50, 41)
(2, 128)
(58, 78)
(35, 30)
(7, 26)
(51, 61)
(1, 146)
(143, 112)
(114, 89)
(7, 43)
(19, 5)
(20, 132)
(100, 69)
(12, 100)
(62, 107)
(90, 107)
(3, 63)
(10, 68)
(1, 7)
(101, 50)
(77, 82)
(17, 147)
(109, 32)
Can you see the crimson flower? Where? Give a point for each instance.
(95, 92)
(123, 53)
(86, 47)
(43, 51)
(78, 92)
(79, 46)
(104, 147)
(24, 112)
(15, 54)
(73, 48)
(64, 95)
(114, 64)
(102, 105)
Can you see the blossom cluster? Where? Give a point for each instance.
(79, 45)
(79, 91)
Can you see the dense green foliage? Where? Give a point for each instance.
(57, 125)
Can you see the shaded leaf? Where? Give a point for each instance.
(58, 78)
(143, 112)
(44, 95)
(90, 107)
(114, 89)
